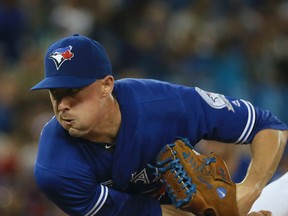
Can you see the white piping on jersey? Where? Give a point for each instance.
(253, 122)
(101, 200)
(250, 122)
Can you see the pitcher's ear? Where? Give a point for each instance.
(108, 84)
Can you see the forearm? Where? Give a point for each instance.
(266, 151)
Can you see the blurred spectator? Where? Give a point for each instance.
(9, 93)
(12, 26)
(72, 16)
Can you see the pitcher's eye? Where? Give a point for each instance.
(54, 91)
(74, 90)
(60, 93)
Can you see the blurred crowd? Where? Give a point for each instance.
(237, 48)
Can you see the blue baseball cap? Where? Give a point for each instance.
(74, 62)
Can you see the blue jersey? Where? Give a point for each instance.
(84, 178)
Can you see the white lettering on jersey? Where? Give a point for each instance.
(141, 176)
(215, 100)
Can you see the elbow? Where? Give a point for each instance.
(282, 141)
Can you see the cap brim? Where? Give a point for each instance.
(63, 82)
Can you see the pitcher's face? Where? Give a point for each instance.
(78, 110)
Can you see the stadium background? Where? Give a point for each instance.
(237, 48)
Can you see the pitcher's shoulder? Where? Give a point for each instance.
(52, 128)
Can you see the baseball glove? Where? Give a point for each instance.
(195, 182)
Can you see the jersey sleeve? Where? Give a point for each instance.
(86, 198)
(226, 119)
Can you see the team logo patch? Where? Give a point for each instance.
(215, 100)
(60, 55)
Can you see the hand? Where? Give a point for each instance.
(246, 196)
(260, 213)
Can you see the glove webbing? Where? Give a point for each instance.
(176, 168)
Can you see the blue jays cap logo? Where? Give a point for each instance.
(60, 55)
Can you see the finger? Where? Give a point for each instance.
(260, 213)
(266, 213)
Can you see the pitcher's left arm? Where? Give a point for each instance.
(266, 151)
